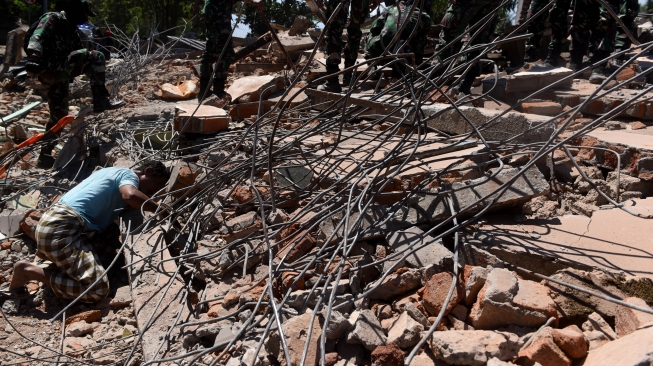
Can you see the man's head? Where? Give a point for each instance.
(77, 11)
(152, 176)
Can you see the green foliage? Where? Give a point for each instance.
(282, 12)
(144, 15)
(15, 9)
(438, 8)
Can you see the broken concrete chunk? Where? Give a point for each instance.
(435, 292)
(633, 349)
(396, 284)
(253, 88)
(78, 329)
(433, 252)
(388, 355)
(405, 331)
(530, 183)
(122, 299)
(628, 320)
(545, 352)
(474, 347)
(542, 108)
(506, 299)
(367, 331)
(241, 226)
(474, 282)
(205, 119)
(295, 330)
(337, 326)
(417, 314)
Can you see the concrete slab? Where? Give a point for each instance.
(444, 118)
(582, 89)
(536, 78)
(638, 139)
(611, 239)
(157, 292)
(252, 88)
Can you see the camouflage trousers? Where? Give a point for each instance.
(385, 28)
(456, 20)
(57, 79)
(217, 15)
(61, 238)
(627, 13)
(537, 25)
(559, 24)
(593, 25)
(333, 39)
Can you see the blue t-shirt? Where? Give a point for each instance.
(98, 199)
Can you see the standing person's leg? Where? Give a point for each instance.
(60, 236)
(217, 15)
(358, 14)
(559, 31)
(58, 107)
(584, 21)
(333, 41)
(91, 63)
(603, 40)
(536, 28)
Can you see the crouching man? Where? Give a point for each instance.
(63, 233)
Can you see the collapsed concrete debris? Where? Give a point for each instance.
(397, 224)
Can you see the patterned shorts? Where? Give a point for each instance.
(61, 236)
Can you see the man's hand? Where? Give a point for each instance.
(137, 199)
(374, 4)
(258, 4)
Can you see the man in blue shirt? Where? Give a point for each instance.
(63, 233)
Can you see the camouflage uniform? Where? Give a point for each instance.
(458, 17)
(537, 26)
(333, 38)
(559, 24)
(384, 29)
(592, 24)
(217, 15)
(63, 58)
(627, 13)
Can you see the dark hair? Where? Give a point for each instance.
(158, 169)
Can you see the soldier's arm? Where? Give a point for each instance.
(41, 34)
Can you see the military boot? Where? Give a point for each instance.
(600, 74)
(346, 77)
(46, 160)
(576, 60)
(332, 85)
(553, 56)
(218, 88)
(532, 55)
(101, 101)
(204, 85)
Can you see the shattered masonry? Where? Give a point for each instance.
(395, 224)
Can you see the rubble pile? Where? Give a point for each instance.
(375, 227)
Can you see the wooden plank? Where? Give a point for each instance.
(157, 293)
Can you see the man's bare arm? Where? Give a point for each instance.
(135, 198)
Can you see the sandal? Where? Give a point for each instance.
(20, 293)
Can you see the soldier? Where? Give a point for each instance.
(217, 15)
(628, 12)
(559, 32)
(536, 28)
(593, 24)
(459, 15)
(384, 29)
(56, 56)
(334, 46)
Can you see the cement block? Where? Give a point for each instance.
(542, 108)
(206, 119)
(10, 221)
(443, 117)
(530, 184)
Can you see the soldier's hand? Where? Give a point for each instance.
(33, 65)
(258, 4)
(374, 4)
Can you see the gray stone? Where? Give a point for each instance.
(414, 312)
(122, 299)
(78, 329)
(405, 331)
(367, 331)
(244, 315)
(16, 246)
(295, 331)
(10, 221)
(11, 306)
(225, 336)
(474, 347)
(433, 252)
(338, 324)
(633, 349)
